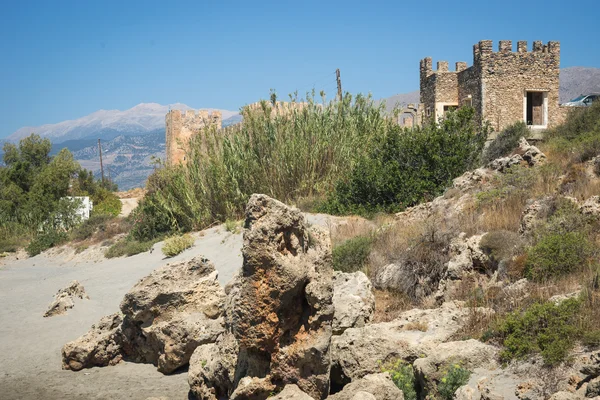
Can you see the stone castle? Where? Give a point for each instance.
(503, 86)
(181, 126)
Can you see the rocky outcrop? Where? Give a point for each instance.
(591, 206)
(279, 310)
(100, 347)
(291, 392)
(416, 333)
(374, 386)
(65, 299)
(389, 277)
(531, 154)
(353, 301)
(502, 164)
(164, 317)
(472, 179)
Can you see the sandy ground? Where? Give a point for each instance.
(30, 345)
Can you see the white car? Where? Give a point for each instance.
(585, 100)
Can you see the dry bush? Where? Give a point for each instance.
(389, 305)
(416, 326)
(342, 229)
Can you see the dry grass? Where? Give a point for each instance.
(343, 229)
(416, 326)
(389, 305)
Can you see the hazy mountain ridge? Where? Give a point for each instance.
(575, 81)
(107, 124)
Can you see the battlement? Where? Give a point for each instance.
(426, 67)
(486, 48)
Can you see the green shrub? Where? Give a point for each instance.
(454, 377)
(557, 254)
(506, 141)
(106, 202)
(352, 254)
(405, 167)
(88, 227)
(403, 376)
(544, 328)
(176, 244)
(231, 226)
(44, 241)
(128, 247)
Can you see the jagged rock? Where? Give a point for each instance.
(468, 354)
(167, 314)
(361, 351)
(471, 179)
(591, 206)
(591, 365)
(252, 388)
(504, 163)
(466, 255)
(211, 375)
(64, 299)
(380, 386)
(532, 215)
(559, 298)
(353, 301)
(593, 388)
(97, 348)
(388, 277)
(531, 154)
(291, 392)
(280, 306)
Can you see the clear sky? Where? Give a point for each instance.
(63, 60)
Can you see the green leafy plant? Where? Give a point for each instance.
(454, 377)
(506, 141)
(557, 254)
(44, 241)
(177, 244)
(403, 376)
(546, 328)
(352, 254)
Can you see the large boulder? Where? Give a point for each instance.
(291, 392)
(99, 347)
(353, 301)
(164, 317)
(416, 333)
(531, 154)
(65, 299)
(281, 307)
(374, 386)
(591, 206)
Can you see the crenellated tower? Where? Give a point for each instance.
(181, 126)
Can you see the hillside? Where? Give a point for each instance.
(578, 80)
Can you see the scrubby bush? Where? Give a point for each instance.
(45, 240)
(506, 141)
(557, 254)
(454, 377)
(405, 167)
(90, 226)
(231, 226)
(500, 247)
(403, 376)
(545, 328)
(176, 244)
(106, 202)
(128, 247)
(352, 254)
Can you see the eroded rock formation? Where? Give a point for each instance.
(65, 299)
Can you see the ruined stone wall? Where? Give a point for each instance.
(181, 126)
(507, 75)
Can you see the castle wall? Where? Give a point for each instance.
(507, 76)
(181, 126)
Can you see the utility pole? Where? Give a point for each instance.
(339, 83)
(101, 166)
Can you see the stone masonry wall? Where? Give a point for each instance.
(180, 127)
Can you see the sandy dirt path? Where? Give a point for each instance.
(30, 345)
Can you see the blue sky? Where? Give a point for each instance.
(63, 60)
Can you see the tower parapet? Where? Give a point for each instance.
(181, 126)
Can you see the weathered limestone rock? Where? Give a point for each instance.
(291, 392)
(165, 316)
(280, 308)
(504, 163)
(211, 375)
(360, 351)
(64, 299)
(353, 301)
(389, 277)
(466, 256)
(591, 206)
(531, 154)
(471, 179)
(97, 348)
(469, 354)
(380, 386)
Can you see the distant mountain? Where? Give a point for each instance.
(108, 124)
(578, 80)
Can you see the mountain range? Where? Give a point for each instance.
(133, 138)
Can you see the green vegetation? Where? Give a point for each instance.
(506, 141)
(352, 254)
(557, 254)
(402, 168)
(33, 195)
(177, 244)
(231, 226)
(87, 228)
(454, 377)
(128, 247)
(403, 376)
(544, 328)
